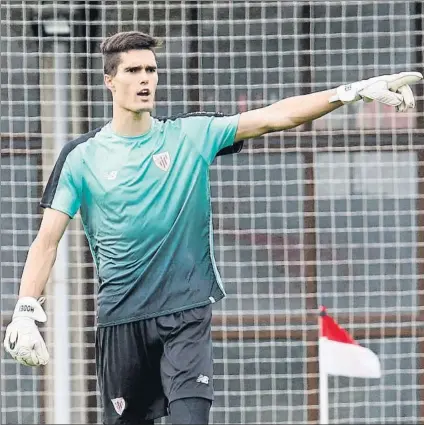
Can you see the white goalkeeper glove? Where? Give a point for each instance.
(23, 340)
(391, 90)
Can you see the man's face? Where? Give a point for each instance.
(134, 85)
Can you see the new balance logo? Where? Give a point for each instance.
(119, 405)
(203, 379)
(111, 175)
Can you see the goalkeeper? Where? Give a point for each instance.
(141, 186)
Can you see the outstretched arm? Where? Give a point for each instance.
(285, 114)
(391, 90)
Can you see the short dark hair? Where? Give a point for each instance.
(113, 46)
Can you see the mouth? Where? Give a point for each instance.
(143, 94)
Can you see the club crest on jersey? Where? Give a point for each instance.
(119, 405)
(162, 160)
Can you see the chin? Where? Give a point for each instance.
(147, 108)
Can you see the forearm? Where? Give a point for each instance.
(297, 110)
(39, 263)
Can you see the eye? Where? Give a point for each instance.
(151, 69)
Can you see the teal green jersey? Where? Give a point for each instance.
(145, 207)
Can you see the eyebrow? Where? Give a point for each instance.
(137, 67)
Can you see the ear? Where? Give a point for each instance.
(109, 82)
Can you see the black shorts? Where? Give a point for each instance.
(145, 365)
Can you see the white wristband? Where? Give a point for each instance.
(347, 93)
(29, 307)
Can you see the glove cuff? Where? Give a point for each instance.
(347, 93)
(29, 307)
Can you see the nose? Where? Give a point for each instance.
(144, 77)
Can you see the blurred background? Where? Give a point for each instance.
(330, 213)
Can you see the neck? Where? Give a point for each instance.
(129, 124)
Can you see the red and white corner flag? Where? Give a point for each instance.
(341, 355)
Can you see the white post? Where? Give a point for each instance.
(323, 389)
(61, 342)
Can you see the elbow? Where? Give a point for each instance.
(283, 123)
(46, 244)
(290, 123)
(278, 120)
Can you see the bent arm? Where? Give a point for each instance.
(285, 114)
(42, 253)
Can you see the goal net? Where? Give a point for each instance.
(329, 213)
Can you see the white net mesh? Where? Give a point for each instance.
(329, 213)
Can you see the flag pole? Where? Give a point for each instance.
(323, 390)
(323, 377)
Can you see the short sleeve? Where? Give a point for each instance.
(62, 193)
(211, 134)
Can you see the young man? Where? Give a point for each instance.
(141, 185)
